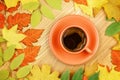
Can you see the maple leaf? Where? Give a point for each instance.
(12, 37)
(12, 9)
(30, 54)
(10, 3)
(117, 38)
(106, 75)
(43, 73)
(31, 36)
(116, 59)
(112, 11)
(2, 20)
(2, 6)
(22, 19)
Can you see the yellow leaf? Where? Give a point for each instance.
(43, 73)
(91, 69)
(115, 2)
(27, 1)
(11, 3)
(12, 36)
(105, 75)
(117, 46)
(112, 11)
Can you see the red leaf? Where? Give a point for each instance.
(81, 1)
(2, 7)
(22, 19)
(2, 20)
(30, 54)
(12, 9)
(67, 0)
(116, 59)
(32, 36)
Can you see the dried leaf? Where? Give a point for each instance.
(31, 36)
(43, 73)
(9, 52)
(84, 2)
(10, 3)
(2, 20)
(112, 11)
(65, 75)
(95, 76)
(91, 69)
(24, 71)
(56, 4)
(4, 74)
(22, 19)
(47, 12)
(36, 18)
(30, 54)
(12, 9)
(15, 38)
(31, 6)
(116, 59)
(113, 29)
(105, 75)
(78, 75)
(16, 62)
(2, 6)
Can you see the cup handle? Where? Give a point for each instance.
(88, 50)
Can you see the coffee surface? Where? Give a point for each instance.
(74, 39)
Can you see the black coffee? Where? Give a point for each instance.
(74, 39)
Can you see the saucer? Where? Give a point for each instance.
(65, 56)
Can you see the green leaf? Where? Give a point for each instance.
(2, 39)
(9, 52)
(78, 75)
(94, 76)
(10, 78)
(1, 53)
(24, 71)
(47, 12)
(35, 18)
(31, 6)
(65, 75)
(4, 74)
(112, 29)
(16, 62)
(1, 61)
(56, 4)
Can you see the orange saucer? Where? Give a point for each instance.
(55, 39)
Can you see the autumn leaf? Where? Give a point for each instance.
(2, 6)
(43, 73)
(10, 3)
(30, 54)
(31, 36)
(91, 69)
(104, 74)
(112, 11)
(84, 2)
(12, 36)
(2, 20)
(117, 38)
(22, 19)
(12, 9)
(67, 0)
(116, 59)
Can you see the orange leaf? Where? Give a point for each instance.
(85, 77)
(2, 20)
(116, 59)
(30, 54)
(32, 36)
(12, 9)
(22, 19)
(2, 7)
(81, 2)
(67, 0)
